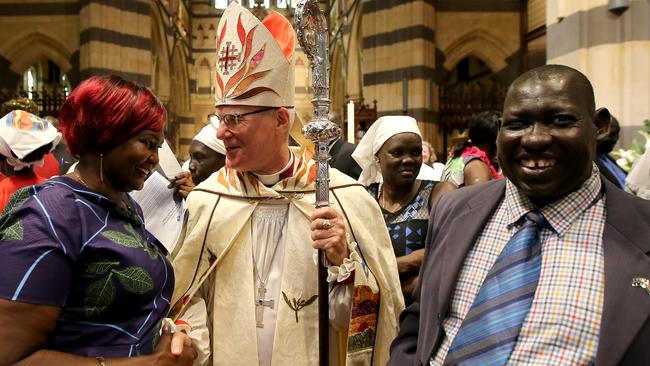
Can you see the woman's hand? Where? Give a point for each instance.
(182, 184)
(328, 234)
(409, 265)
(408, 288)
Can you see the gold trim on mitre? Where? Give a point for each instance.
(252, 68)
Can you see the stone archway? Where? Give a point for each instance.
(50, 66)
(26, 51)
(479, 43)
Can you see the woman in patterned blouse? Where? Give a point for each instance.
(390, 155)
(83, 282)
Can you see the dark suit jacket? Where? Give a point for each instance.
(342, 160)
(454, 225)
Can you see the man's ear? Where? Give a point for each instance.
(284, 119)
(602, 120)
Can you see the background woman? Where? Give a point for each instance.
(24, 141)
(430, 159)
(473, 161)
(390, 154)
(83, 282)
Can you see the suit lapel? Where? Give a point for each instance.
(625, 308)
(459, 242)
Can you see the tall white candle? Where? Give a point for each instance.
(351, 122)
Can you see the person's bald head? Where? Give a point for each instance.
(581, 86)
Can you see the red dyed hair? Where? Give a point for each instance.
(104, 111)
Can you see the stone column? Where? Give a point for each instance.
(398, 44)
(612, 49)
(115, 38)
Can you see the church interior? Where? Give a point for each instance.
(439, 61)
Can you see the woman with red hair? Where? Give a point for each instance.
(83, 281)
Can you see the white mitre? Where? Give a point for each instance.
(254, 59)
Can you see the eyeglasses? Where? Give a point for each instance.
(232, 121)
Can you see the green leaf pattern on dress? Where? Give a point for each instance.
(17, 199)
(136, 280)
(122, 239)
(99, 295)
(12, 229)
(153, 253)
(98, 267)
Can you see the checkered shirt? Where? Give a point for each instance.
(563, 324)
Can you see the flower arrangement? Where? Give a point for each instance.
(625, 158)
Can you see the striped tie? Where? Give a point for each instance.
(490, 329)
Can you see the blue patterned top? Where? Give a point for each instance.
(64, 245)
(408, 227)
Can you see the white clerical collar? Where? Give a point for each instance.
(271, 179)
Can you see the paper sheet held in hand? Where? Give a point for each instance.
(163, 217)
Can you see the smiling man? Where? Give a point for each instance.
(546, 267)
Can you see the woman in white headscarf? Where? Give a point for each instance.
(390, 156)
(207, 155)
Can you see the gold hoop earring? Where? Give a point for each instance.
(101, 167)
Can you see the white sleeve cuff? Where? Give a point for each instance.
(342, 272)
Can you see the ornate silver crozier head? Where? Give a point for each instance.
(311, 27)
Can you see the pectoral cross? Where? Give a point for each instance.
(260, 303)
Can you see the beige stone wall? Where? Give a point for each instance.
(25, 40)
(398, 45)
(613, 50)
(203, 72)
(536, 14)
(303, 91)
(416, 41)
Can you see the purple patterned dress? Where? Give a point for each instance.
(64, 245)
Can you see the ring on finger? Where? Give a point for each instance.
(326, 225)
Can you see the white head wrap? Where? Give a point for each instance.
(378, 133)
(208, 137)
(21, 133)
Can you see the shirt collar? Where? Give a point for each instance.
(560, 214)
(284, 173)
